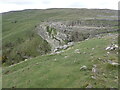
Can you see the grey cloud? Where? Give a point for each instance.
(18, 2)
(77, 4)
(46, 1)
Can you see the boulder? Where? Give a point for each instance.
(112, 47)
(93, 77)
(70, 44)
(77, 51)
(113, 63)
(83, 67)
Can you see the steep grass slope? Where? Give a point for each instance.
(63, 70)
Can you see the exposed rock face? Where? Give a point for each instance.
(58, 34)
(53, 33)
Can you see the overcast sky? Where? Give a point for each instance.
(10, 5)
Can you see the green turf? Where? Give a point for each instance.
(56, 71)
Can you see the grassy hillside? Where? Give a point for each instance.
(73, 67)
(20, 40)
(63, 70)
